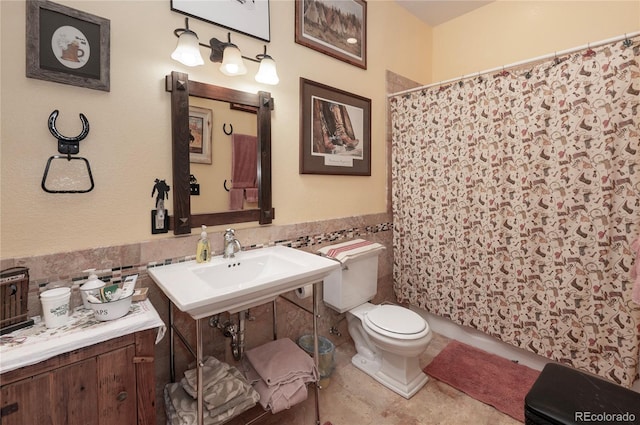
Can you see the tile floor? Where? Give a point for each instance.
(353, 398)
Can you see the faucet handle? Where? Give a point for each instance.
(229, 233)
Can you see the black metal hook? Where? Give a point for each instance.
(224, 128)
(224, 184)
(68, 145)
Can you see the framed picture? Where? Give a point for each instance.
(335, 129)
(67, 46)
(250, 17)
(335, 28)
(200, 121)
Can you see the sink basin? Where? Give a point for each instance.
(233, 284)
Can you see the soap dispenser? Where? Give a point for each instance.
(203, 250)
(90, 287)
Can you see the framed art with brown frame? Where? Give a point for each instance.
(67, 46)
(335, 28)
(335, 131)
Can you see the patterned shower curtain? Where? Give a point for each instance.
(516, 198)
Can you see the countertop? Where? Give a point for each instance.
(34, 344)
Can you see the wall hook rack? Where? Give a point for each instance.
(67, 146)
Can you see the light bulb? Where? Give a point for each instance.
(232, 63)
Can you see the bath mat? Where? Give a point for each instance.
(486, 377)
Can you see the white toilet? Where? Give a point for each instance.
(388, 338)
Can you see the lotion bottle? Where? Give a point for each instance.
(203, 250)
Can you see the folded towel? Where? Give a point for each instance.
(279, 396)
(212, 372)
(635, 272)
(346, 250)
(220, 394)
(182, 409)
(219, 406)
(251, 194)
(281, 361)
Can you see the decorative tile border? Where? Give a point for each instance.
(118, 274)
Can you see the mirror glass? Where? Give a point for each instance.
(205, 121)
(214, 120)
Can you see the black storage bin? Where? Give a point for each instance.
(562, 395)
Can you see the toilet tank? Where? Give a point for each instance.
(355, 284)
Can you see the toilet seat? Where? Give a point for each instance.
(396, 322)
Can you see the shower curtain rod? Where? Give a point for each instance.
(524, 62)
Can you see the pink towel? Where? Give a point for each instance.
(236, 199)
(243, 161)
(251, 194)
(277, 397)
(635, 272)
(281, 361)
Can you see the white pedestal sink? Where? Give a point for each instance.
(232, 284)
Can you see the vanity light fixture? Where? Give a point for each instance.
(188, 49)
(228, 54)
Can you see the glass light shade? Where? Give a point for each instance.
(267, 73)
(232, 63)
(187, 51)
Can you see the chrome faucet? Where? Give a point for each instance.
(231, 244)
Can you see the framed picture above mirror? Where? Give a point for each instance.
(335, 28)
(247, 17)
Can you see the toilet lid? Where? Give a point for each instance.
(395, 319)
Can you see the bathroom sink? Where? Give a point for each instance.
(233, 284)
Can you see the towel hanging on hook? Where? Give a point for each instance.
(63, 176)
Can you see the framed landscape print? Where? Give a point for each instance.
(335, 28)
(250, 17)
(335, 131)
(67, 46)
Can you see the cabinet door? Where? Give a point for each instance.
(117, 387)
(74, 394)
(22, 405)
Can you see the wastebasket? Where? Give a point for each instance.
(326, 351)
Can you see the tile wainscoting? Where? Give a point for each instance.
(114, 263)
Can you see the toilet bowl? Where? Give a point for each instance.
(389, 340)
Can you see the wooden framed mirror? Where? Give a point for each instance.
(261, 104)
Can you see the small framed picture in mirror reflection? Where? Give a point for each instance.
(200, 120)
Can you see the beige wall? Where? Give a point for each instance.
(509, 31)
(129, 142)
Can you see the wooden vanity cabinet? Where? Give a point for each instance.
(110, 383)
